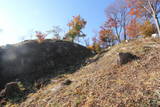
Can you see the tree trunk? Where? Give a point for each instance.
(118, 36)
(154, 14)
(124, 27)
(125, 35)
(157, 24)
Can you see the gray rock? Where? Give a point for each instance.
(124, 58)
(66, 82)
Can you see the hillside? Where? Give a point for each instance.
(104, 83)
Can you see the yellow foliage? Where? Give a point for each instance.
(95, 47)
(76, 25)
(147, 29)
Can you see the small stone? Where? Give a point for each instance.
(66, 82)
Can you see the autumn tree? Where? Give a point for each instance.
(133, 28)
(113, 24)
(143, 7)
(75, 28)
(106, 37)
(117, 18)
(55, 32)
(96, 47)
(147, 29)
(41, 36)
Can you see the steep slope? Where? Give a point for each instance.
(103, 83)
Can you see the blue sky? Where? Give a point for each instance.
(18, 18)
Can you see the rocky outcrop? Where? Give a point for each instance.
(30, 60)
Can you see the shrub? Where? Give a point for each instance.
(41, 36)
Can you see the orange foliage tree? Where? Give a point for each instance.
(111, 25)
(106, 37)
(75, 28)
(96, 47)
(133, 28)
(103, 39)
(140, 8)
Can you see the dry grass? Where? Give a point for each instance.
(104, 84)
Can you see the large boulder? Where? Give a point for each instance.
(30, 60)
(124, 58)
